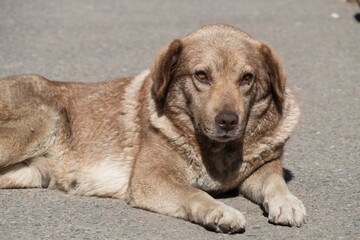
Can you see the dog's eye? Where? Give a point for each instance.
(202, 76)
(247, 78)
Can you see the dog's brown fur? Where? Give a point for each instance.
(154, 140)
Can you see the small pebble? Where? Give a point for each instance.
(335, 15)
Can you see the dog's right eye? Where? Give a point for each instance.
(202, 77)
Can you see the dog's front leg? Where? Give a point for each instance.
(266, 186)
(159, 191)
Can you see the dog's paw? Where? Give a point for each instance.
(286, 210)
(225, 219)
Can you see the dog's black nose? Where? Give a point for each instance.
(227, 120)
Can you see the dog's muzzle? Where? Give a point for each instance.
(225, 127)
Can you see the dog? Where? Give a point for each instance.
(211, 115)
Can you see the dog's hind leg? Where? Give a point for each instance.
(23, 142)
(25, 174)
(27, 131)
(25, 137)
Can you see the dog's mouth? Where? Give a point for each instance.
(223, 139)
(223, 136)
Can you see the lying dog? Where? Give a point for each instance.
(211, 115)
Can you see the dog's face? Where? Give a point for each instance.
(216, 75)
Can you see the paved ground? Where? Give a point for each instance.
(96, 40)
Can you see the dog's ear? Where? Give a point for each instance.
(164, 68)
(276, 74)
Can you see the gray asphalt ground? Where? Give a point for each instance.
(97, 40)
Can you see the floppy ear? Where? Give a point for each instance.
(164, 67)
(276, 74)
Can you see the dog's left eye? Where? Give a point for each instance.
(247, 77)
(202, 76)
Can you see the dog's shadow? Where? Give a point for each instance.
(357, 17)
(288, 175)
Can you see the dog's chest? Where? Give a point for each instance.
(218, 172)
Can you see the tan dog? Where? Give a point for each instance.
(211, 115)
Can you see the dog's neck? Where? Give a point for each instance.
(221, 159)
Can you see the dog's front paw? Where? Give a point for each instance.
(286, 210)
(225, 219)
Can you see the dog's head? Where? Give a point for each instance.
(216, 75)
